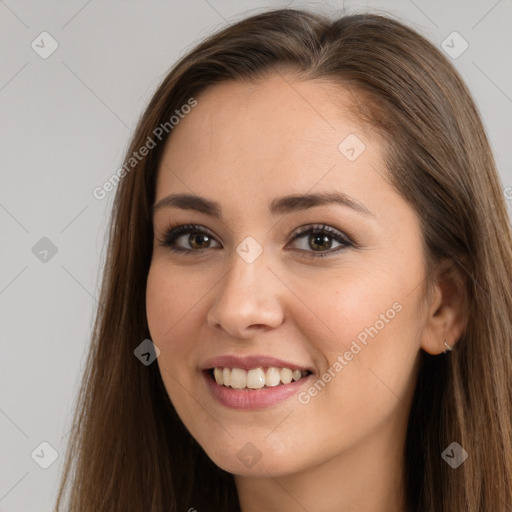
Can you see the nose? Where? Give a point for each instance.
(247, 298)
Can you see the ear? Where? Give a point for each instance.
(446, 310)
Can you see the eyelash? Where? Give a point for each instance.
(173, 232)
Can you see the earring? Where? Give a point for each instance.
(448, 348)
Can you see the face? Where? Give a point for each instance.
(329, 291)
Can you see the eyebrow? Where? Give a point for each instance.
(281, 205)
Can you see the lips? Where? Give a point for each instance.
(250, 399)
(237, 396)
(253, 361)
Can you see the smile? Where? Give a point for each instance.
(257, 378)
(245, 398)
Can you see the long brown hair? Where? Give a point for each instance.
(129, 451)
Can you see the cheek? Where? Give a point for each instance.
(345, 306)
(172, 309)
(365, 331)
(169, 299)
(170, 313)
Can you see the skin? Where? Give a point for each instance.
(242, 146)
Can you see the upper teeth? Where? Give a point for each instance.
(257, 378)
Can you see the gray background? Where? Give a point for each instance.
(65, 124)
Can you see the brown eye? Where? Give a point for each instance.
(319, 239)
(197, 240)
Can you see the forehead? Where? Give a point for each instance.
(275, 135)
(256, 112)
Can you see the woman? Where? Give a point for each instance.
(241, 361)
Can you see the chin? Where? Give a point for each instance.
(256, 459)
